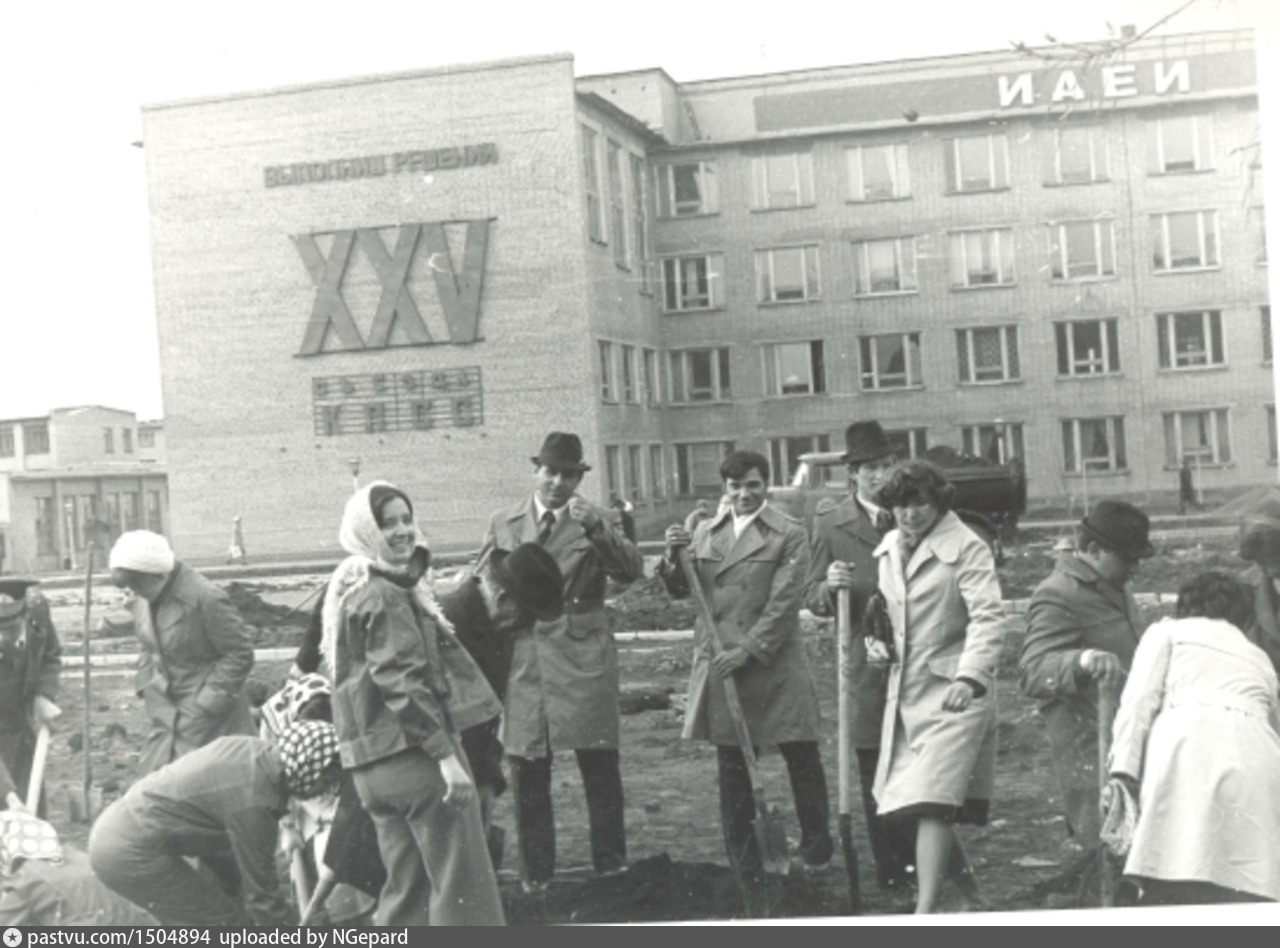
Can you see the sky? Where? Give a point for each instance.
(80, 327)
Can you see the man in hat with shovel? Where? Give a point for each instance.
(562, 691)
(751, 560)
(30, 666)
(1083, 626)
(196, 652)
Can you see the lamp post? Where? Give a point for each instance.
(354, 464)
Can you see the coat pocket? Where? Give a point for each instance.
(583, 625)
(945, 666)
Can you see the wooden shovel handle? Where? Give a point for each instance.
(844, 646)
(713, 638)
(1106, 718)
(38, 762)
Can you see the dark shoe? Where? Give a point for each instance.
(497, 841)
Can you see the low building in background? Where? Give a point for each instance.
(75, 475)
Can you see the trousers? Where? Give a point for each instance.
(437, 862)
(738, 807)
(535, 823)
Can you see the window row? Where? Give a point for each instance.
(81, 514)
(978, 257)
(109, 441)
(1074, 154)
(886, 361)
(35, 439)
(616, 215)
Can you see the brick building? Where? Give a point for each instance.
(73, 470)
(418, 275)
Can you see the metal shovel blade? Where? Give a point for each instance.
(771, 837)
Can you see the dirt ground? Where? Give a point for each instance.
(675, 846)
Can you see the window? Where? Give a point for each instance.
(7, 446)
(154, 521)
(885, 266)
(1093, 443)
(982, 257)
(657, 473)
(639, 219)
(1190, 340)
(1185, 240)
(86, 514)
(635, 481)
(1200, 437)
(126, 440)
(146, 438)
(112, 502)
(131, 509)
(890, 361)
(787, 275)
(998, 442)
(699, 375)
(688, 189)
(1265, 313)
(1082, 249)
(375, 418)
(652, 393)
(878, 172)
(1088, 347)
(1080, 156)
(977, 163)
(693, 282)
(784, 455)
(606, 372)
(908, 442)
(784, 180)
(794, 368)
(1258, 224)
(613, 471)
(109, 440)
(46, 527)
(1182, 144)
(35, 437)
(1271, 434)
(591, 177)
(617, 204)
(629, 374)
(698, 467)
(988, 355)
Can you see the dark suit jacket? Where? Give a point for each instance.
(465, 608)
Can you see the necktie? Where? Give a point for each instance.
(548, 524)
(884, 521)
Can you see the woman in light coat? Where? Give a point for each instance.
(1196, 738)
(938, 746)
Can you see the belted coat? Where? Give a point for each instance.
(754, 584)
(562, 691)
(944, 603)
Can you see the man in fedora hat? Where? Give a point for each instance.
(30, 666)
(562, 691)
(1083, 626)
(844, 538)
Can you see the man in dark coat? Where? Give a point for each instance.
(1083, 626)
(30, 666)
(844, 538)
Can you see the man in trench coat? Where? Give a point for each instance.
(1083, 626)
(30, 666)
(196, 652)
(562, 693)
(751, 560)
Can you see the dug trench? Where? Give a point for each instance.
(677, 869)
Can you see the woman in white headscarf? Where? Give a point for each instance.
(403, 689)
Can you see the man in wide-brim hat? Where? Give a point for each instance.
(562, 692)
(1083, 626)
(30, 666)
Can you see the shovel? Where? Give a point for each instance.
(771, 835)
(1106, 716)
(844, 631)
(38, 761)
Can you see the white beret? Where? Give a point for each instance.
(143, 551)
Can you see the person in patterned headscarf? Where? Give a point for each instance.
(223, 799)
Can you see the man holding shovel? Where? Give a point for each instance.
(30, 665)
(750, 560)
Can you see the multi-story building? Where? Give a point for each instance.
(76, 475)
(418, 275)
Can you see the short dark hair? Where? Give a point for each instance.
(1260, 540)
(918, 480)
(738, 463)
(1216, 595)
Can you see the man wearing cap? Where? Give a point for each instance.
(196, 652)
(1083, 626)
(30, 667)
(562, 691)
(844, 539)
(221, 803)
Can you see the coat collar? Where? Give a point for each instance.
(852, 516)
(1071, 565)
(753, 537)
(525, 515)
(943, 542)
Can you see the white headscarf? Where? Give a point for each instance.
(143, 552)
(361, 536)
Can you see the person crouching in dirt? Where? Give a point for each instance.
(30, 667)
(222, 804)
(751, 561)
(1083, 627)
